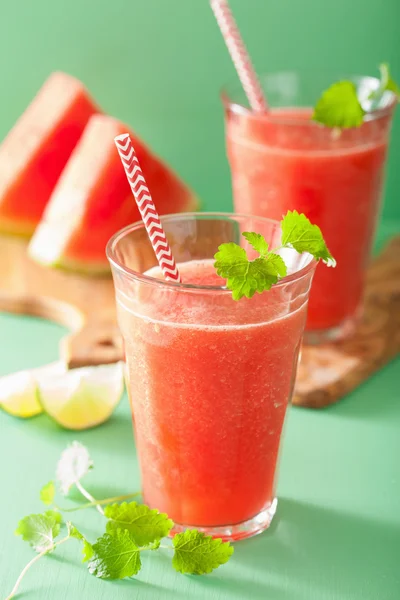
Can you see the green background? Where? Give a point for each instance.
(159, 64)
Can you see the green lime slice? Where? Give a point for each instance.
(19, 393)
(82, 398)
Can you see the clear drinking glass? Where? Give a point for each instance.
(284, 160)
(209, 378)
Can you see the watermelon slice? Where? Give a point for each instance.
(36, 150)
(92, 199)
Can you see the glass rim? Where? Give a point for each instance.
(177, 286)
(241, 109)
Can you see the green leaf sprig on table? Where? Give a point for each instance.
(246, 277)
(131, 529)
(340, 107)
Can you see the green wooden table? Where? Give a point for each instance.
(159, 64)
(336, 535)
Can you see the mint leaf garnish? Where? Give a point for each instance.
(393, 87)
(144, 524)
(386, 83)
(47, 493)
(231, 259)
(278, 263)
(115, 556)
(300, 234)
(246, 277)
(40, 530)
(199, 554)
(339, 106)
(258, 242)
(73, 465)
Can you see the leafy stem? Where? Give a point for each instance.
(32, 562)
(96, 503)
(131, 529)
(89, 497)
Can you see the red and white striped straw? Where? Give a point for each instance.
(146, 207)
(240, 56)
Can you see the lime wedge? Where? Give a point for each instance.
(83, 398)
(19, 393)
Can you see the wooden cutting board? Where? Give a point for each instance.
(328, 372)
(85, 305)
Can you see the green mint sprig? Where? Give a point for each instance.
(340, 107)
(131, 530)
(245, 277)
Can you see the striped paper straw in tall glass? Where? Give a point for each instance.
(239, 54)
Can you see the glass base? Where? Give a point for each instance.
(346, 329)
(240, 531)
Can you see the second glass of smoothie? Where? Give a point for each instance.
(285, 161)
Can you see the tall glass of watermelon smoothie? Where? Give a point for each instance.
(209, 378)
(283, 160)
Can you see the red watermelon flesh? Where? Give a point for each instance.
(35, 151)
(93, 200)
